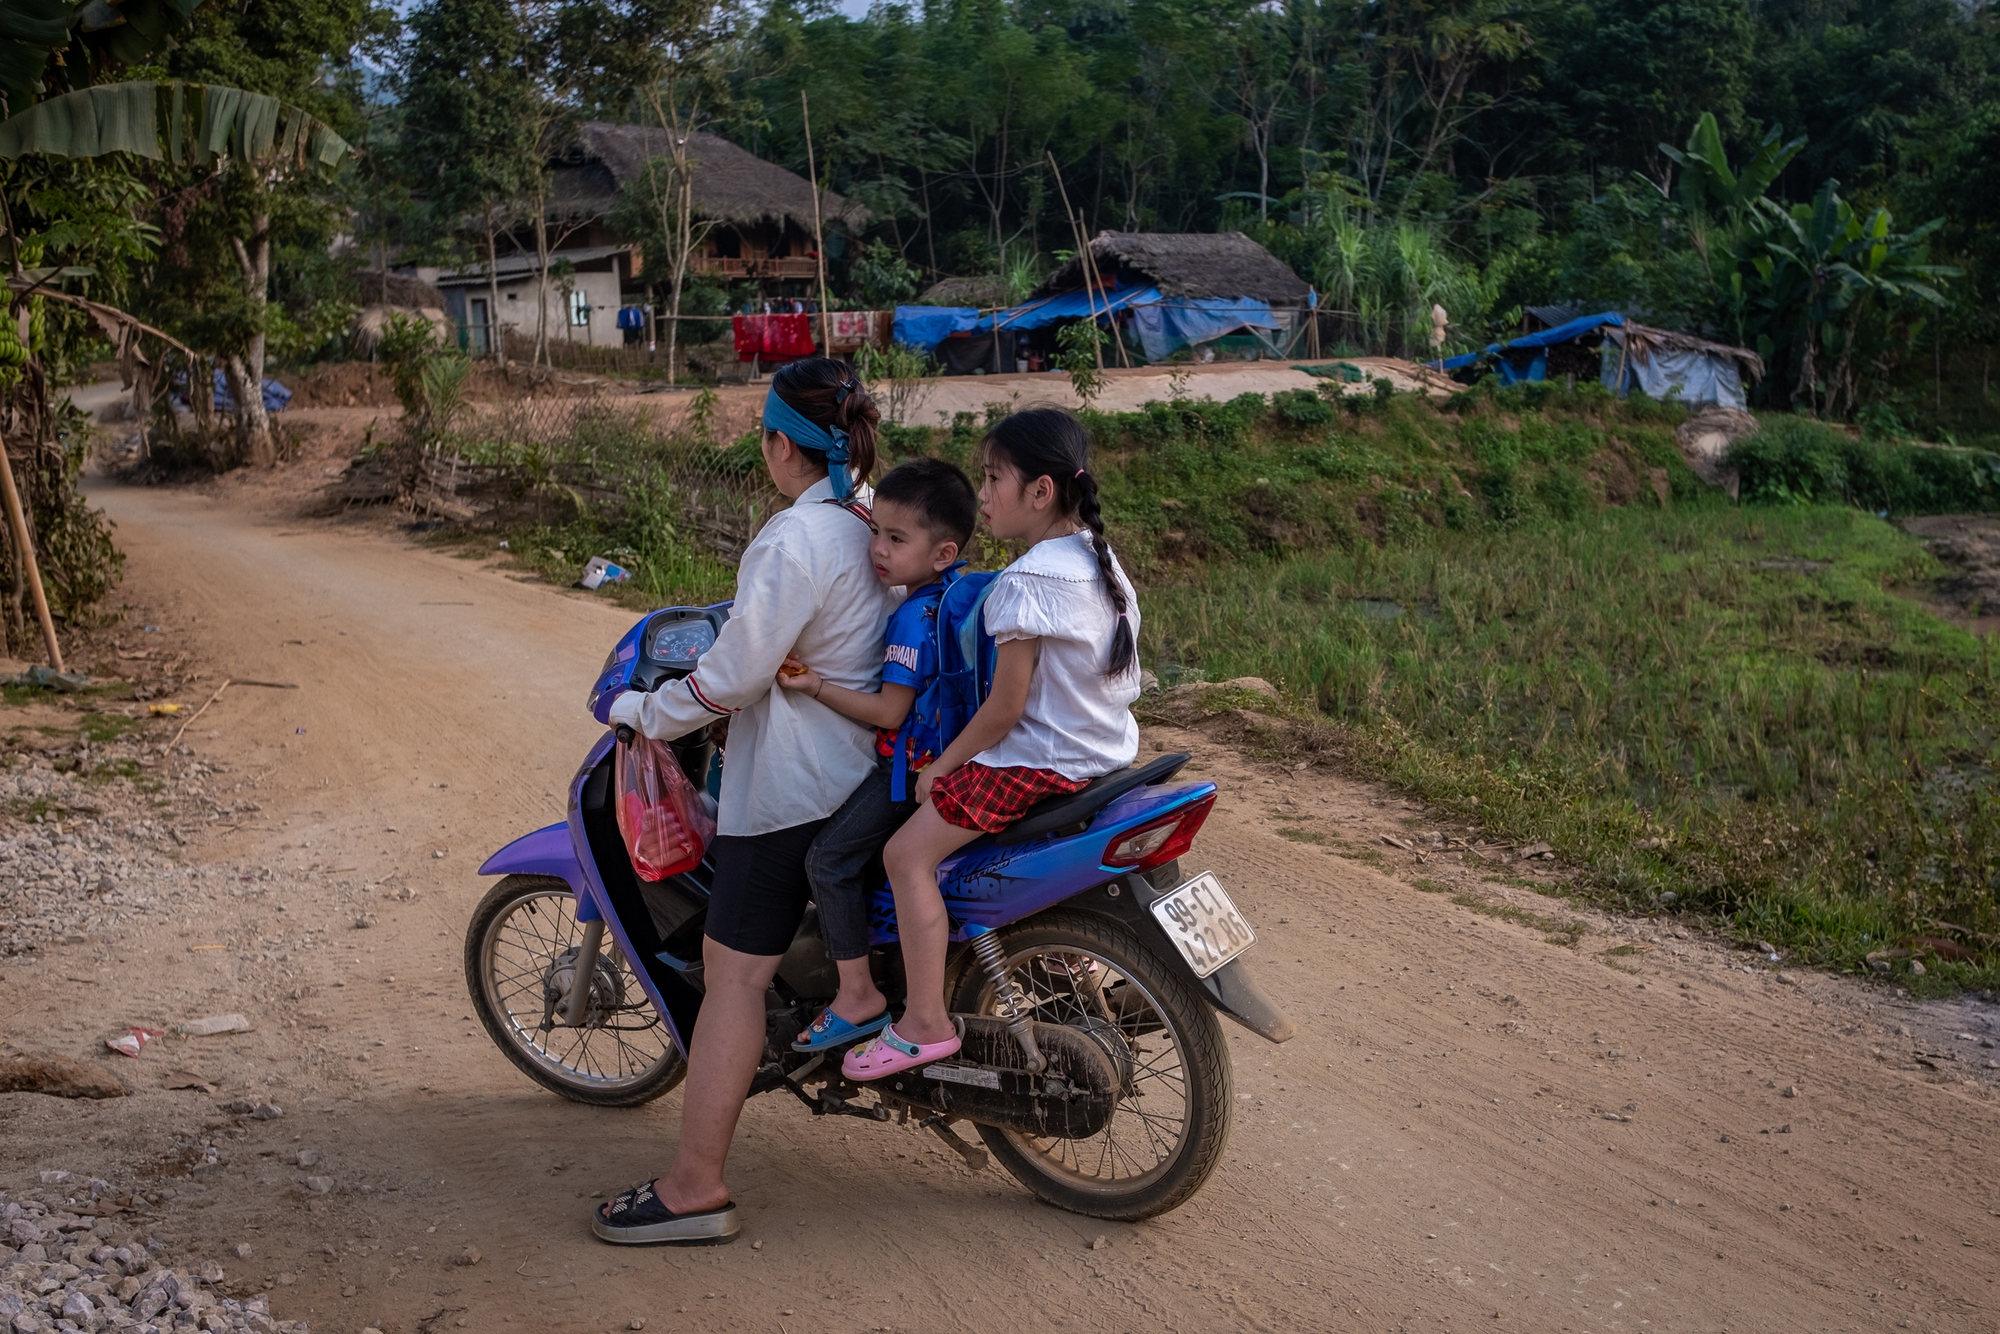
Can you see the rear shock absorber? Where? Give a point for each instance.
(1007, 993)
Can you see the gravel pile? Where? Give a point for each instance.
(69, 1271)
(79, 858)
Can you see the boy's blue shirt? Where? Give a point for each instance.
(910, 654)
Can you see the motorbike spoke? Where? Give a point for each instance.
(1075, 989)
(527, 944)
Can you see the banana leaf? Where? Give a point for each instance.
(190, 123)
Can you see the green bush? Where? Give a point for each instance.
(1793, 460)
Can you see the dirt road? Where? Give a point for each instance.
(1474, 1124)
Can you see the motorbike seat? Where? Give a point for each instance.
(1071, 813)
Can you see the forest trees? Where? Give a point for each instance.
(225, 225)
(471, 128)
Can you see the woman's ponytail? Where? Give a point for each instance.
(1048, 442)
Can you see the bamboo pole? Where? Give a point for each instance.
(819, 244)
(1083, 256)
(1083, 251)
(17, 523)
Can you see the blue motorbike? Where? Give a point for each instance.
(1086, 970)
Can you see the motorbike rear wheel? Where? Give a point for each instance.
(1172, 1120)
(522, 935)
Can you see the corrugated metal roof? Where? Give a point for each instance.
(509, 268)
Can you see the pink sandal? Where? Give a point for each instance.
(887, 1053)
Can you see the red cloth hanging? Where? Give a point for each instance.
(773, 337)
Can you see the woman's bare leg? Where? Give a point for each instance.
(912, 859)
(728, 1042)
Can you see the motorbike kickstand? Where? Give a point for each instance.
(976, 1158)
(829, 1103)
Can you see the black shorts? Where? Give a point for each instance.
(760, 891)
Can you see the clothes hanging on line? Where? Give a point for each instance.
(772, 337)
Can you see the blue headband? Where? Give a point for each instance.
(808, 434)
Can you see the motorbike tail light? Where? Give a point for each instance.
(1158, 842)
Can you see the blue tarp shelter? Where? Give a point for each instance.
(927, 326)
(1173, 323)
(1163, 323)
(1537, 368)
(1180, 288)
(1658, 362)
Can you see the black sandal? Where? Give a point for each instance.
(638, 1218)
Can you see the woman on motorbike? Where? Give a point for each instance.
(805, 585)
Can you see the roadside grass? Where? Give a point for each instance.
(1721, 710)
(1555, 930)
(109, 726)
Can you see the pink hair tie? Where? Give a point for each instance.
(1079, 473)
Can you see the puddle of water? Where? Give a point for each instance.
(1377, 609)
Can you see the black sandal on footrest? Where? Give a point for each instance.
(638, 1218)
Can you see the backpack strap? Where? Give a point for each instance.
(854, 507)
(969, 631)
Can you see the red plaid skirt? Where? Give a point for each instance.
(974, 796)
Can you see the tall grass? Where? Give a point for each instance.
(1724, 705)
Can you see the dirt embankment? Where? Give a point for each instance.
(1495, 1106)
(1968, 545)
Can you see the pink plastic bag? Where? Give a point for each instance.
(665, 824)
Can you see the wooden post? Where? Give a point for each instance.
(17, 523)
(819, 244)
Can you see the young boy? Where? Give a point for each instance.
(924, 513)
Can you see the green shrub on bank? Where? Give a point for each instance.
(1794, 460)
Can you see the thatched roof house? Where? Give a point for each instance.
(759, 233)
(731, 185)
(982, 292)
(1186, 264)
(402, 290)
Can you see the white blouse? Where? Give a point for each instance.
(805, 585)
(1078, 721)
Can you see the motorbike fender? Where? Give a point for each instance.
(1232, 988)
(547, 851)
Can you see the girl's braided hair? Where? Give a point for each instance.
(1048, 442)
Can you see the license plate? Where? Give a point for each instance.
(1200, 919)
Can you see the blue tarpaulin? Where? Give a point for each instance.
(1164, 324)
(926, 326)
(1177, 322)
(1562, 333)
(276, 396)
(1076, 305)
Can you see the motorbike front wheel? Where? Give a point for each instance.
(520, 957)
(1172, 1119)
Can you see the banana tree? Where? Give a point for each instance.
(208, 128)
(1839, 287)
(1709, 186)
(202, 127)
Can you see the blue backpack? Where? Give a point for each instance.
(966, 656)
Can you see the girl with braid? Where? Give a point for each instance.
(1060, 713)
